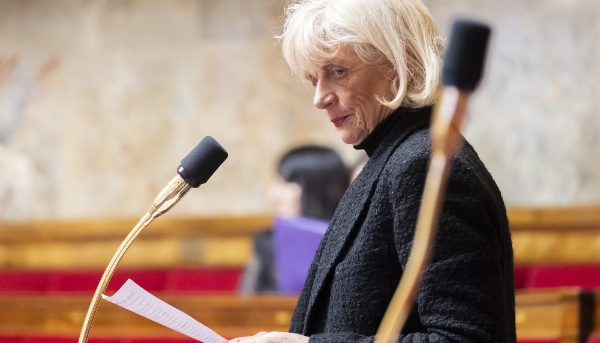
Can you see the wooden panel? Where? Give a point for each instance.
(539, 315)
(540, 235)
(554, 218)
(155, 253)
(555, 235)
(165, 243)
(521, 219)
(230, 316)
(105, 229)
(548, 315)
(532, 247)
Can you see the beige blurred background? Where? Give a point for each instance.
(100, 100)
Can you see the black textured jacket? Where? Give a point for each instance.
(468, 289)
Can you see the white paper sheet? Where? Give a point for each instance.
(136, 299)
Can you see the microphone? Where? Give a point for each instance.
(462, 71)
(200, 164)
(195, 169)
(464, 60)
(461, 74)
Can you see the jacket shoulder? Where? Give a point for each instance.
(406, 169)
(410, 158)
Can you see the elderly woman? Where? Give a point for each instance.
(375, 66)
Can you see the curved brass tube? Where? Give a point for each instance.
(168, 197)
(446, 138)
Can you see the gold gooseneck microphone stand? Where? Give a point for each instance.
(168, 197)
(463, 66)
(195, 170)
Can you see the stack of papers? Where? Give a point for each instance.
(136, 299)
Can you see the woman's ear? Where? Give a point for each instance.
(392, 74)
(387, 69)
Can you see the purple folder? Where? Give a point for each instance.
(295, 243)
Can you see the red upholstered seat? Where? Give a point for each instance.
(594, 338)
(161, 340)
(74, 281)
(73, 339)
(87, 281)
(23, 281)
(521, 276)
(46, 339)
(13, 339)
(544, 276)
(203, 280)
(150, 280)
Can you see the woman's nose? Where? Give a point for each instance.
(324, 96)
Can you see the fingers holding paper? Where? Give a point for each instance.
(272, 337)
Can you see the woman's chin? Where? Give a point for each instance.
(349, 137)
(351, 132)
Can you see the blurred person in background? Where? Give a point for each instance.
(310, 182)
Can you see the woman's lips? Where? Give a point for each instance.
(339, 120)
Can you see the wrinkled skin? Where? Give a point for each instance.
(347, 90)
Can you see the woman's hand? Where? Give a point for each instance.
(272, 337)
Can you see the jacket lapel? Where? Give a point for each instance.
(356, 201)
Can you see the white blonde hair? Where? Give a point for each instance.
(400, 32)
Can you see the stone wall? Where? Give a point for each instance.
(536, 120)
(99, 100)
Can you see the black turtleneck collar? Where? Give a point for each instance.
(370, 144)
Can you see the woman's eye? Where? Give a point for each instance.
(339, 72)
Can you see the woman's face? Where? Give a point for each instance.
(347, 90)
(286, 197)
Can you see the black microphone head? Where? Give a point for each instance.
(199, 165)
(465, 56)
